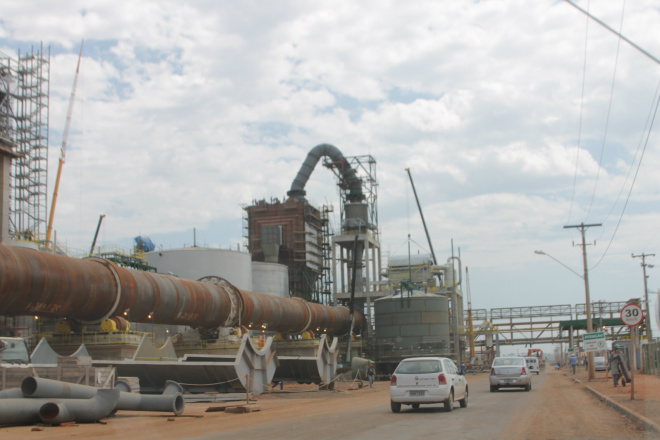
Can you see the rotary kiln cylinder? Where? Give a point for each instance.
(422, 319)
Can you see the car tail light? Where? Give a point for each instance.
(492, 371)
(524, 371)
(393, 381)
(442, 379)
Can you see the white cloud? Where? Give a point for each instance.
(185, 111)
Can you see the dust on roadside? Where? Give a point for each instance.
(646, 402)
(566, 410)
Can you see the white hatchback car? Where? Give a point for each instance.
(427, 380)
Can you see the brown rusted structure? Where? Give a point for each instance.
(93, 289)
(288, 233)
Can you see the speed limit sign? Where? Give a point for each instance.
(631, 314)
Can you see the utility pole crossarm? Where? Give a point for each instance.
(590, 327)
(647, 319)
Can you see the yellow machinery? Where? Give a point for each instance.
(65, 139)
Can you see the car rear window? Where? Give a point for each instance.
(419, 367)
(499, 362)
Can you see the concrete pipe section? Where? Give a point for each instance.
(54, 402)
(19, 411)
(80, 410)
(28, 411)
(170, 401)
(93, 289)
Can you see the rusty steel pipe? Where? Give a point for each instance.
(267, 312)
(44, 284)
(90, 290)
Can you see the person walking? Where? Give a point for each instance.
(371, 374)
(618, 367)
(573, 363)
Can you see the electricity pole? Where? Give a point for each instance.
(647, 318)
(590, 328)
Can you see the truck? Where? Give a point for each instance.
(537, 353)
(13, 351)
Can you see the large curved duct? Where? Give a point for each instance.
(349, 177)
(90, 290)
(12, 393)
(27, 411)
(20, 411)
(171, 399)
(80, 410)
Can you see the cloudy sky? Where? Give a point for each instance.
(515, 117)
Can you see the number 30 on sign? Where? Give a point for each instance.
(631, 314)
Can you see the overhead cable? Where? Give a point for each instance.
(607, 118)
(632, 185)
(613, 31)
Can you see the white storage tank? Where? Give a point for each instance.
(270, 278)
(195, 262)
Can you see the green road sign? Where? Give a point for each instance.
(594, 341)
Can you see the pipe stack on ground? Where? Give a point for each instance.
(54, 402)
(91, 290)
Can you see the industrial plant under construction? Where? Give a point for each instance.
(303, 301)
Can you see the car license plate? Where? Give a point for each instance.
(417, 393)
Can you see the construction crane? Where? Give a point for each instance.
(65, 139)
(428, 238)
(96, 235)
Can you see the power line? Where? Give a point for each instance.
(577, 153)
(607, 118)
(639, 146)
(613, 31)
(632, 185)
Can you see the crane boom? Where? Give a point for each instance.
(428, 238)
(65, 139)
(96, 235)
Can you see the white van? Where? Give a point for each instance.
(532, 364)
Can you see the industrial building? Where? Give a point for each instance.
(304, 295)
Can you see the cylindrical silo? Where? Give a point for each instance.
(413, 324)
(195, 263)
(270, 278)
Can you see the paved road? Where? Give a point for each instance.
(487, 413)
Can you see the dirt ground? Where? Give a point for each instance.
(646, 400)
(564, 409)
(567, 410)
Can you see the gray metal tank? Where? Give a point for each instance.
(270, 278)
(196, 262)
(412, 325)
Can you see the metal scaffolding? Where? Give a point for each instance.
(24, 93)
(365, 169)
